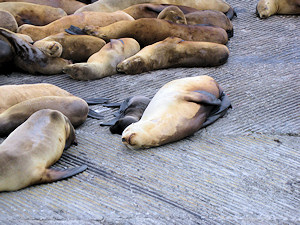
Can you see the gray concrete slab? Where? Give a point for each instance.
(243, 169)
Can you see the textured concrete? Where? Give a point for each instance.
(243, 169)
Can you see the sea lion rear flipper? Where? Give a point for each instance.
(219, 111)
(203, 97)
(75, 30)
(94, 101)
(112, 105)
(231, 13)
(51, 175)
(94, 114)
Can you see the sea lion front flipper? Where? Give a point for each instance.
(94, 114)
(231, 13)
(75, 30)
(203, 97)
(219, 111)
(94, 101)
(51, 175)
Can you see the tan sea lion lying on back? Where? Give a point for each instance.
(28, 152)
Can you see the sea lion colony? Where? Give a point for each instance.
(71, 38)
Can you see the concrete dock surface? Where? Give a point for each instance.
(243, 169)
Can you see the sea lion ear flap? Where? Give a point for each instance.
(203, 97)
(51, 175)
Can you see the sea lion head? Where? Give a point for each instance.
(138, 135)
(265, 8)
(172, 14)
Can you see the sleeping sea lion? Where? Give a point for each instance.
(114, 5)
(104, 62)
(148, 10)
(150, 30)
(178, 109)
(79, 20)
(28, 152)
(266, 8)
(19, 102)
(32, 13)
(172, 14)
(31, 59)
(175, 52)
(69, 6)
(131, 110)
(77, 48)
(8, 21)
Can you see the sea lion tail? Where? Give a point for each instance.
(231, 13)
(51, 175)
(75, 30)
(95, 115)
(94, 101)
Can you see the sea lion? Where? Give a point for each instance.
(28, 152)
(148, 10)
(32, 13)
(8, 21)
(150, 30)
(31, 59)
(172, 14)
(266, 8)
(175, 52)
(104, 62)
(69, 6)
(178, 109)
(79, 20)
(77, 48)
(74, 108)
(130, 111)
(114, 5)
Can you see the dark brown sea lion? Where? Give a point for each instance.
(178, 109)
(131, 110)
(79, 20)
(32, 13)
(114, 5)
(148, 10)
(69, 6)
(28, 152)
(77, 48)
(104, 62)
(8, 21)
(149, 30)
(175, 52)
(31, 59)
(266, 8)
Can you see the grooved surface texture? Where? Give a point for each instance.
(243, 169)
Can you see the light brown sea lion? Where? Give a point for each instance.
(77, 48)
(148, 10)
(8, 21)
(172, 14)
(178, 109)
(114, 5)
(28, 152)
(13, 94)
(266, 8)
(69, 6)
(104, 62)
(74, 108)
(31, 59)
(150, 30)
(79, 20)
(32, 13)
(175, 52)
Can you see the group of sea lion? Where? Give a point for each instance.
(104, 38)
